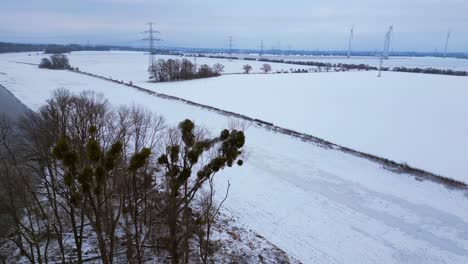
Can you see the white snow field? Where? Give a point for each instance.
(409, 62)
(414, 118)
(136, 63)
(419, 119)
(319, 205)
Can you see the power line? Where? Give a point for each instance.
(261, 48)
(230, 47)
(194, 63)
(151, 38)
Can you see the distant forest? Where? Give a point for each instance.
(54, 48)
(13, 47)
(461, 55)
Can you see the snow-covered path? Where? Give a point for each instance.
(319, 205)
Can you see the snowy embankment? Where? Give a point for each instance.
(319, 205)
(413, 118)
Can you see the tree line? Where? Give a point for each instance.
(80, 170)
(56, 48)
(323, 64)
(366, 67)
(175, 69)
(17, 47)
(431, 71)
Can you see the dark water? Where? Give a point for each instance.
(11, 107)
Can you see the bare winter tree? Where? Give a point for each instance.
(207, 218)
(266, 68)
(172, 70)
(82, 170)
(139, 196)
(23, 210)
(218, 68)
(185, 176)
(98, 157)
(45, 63)
(186, 69)
(56, 62)
(68, 141)
(247, 68)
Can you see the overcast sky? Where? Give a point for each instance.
(419, 25)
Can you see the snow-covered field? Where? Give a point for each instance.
(136, 63)
(409, 62)
(319, 205)
(414, 118)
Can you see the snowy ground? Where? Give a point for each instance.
(414, 118)
(319, 205)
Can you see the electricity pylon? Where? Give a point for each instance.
(261, 48)
(151, 38)
(230, 48)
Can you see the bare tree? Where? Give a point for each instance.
(266, 68)
(24, 208)
(186, 69)
(63, 139)
(239, 124)
(218, 68)
(184, 150)
(205, 71)
(208, 214)
(122, 173)
(143, 132)
(172, 70)
(45, 63)
(56, 62)
(247, 68)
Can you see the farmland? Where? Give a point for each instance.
(315, 203)
(413, 118)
